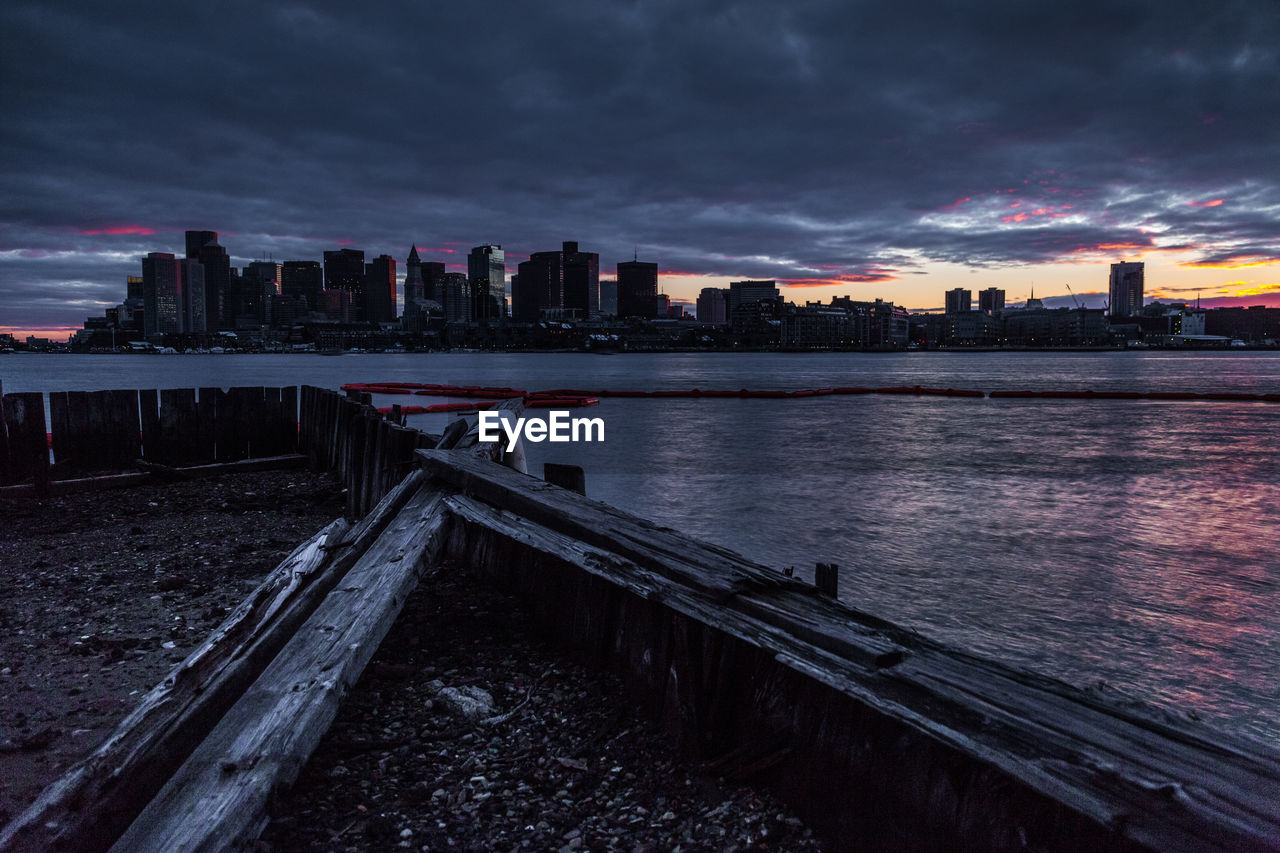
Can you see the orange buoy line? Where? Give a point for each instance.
(576, 397)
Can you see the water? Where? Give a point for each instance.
(1123, 545)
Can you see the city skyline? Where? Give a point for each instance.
(869, 152)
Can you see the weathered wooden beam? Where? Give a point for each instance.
(28, 446)
(89, 807)
(218, 798)
(509, 409)
(892, 741)
(4, 442)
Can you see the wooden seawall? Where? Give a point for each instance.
(880, 738)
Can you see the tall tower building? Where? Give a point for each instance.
(259, 282)
(161, 294)
(487, 272)
(455, 293)
(344, 270)
(713, 306)
(637, 289)
(194, 318)
(303, 279)
(1126, 288)
(414, 287)
(380, 289)
(581, 280)
(959, 300)
(991, 300)
(196, 240)
(540, 286)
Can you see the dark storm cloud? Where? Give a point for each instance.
(805, 141)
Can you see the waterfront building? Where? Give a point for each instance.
(814, 326)
(1056, 327)
(1256, 324)
(455, 290)
(1125, 288)
(581, 277)
(662, 305)
(133, 287)
(161, 295)
(302, 280)
(637, 289)
(414, 286)
(336, 305)
(991, 300)
(538, 286)
(877, 325)
(742, 292)
(959, 299)
(380, 290)
(971, 329)
(218, 293)
(713, 306)
(609, 297)
(487, 272)
(344, 270)
(194, 318)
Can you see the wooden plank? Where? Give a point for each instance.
(78, 427)
(246, 414)
(125, 443)
(218, 798)
(204, 445)
(266, 438)
(177, 426)
(149, 415)
(4, 442)
(28, 446)
(224, 426)
(290, 417)
(96, 455)
(64, 447)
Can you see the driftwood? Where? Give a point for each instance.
(883, 739)
(95, 801)
(219, 796)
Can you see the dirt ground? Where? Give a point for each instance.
(105, 592)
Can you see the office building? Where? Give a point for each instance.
(344, 270)
(197, 240)
(581, 278)
(991, 300)
(161, 295)
(302, 280)
(380, 290)
(959, 299)
(487, 272)
(743, 292)
(1125, 288)
(609, 297)
(455, 293)
(713, 306)
(193, 296)
(637, 289)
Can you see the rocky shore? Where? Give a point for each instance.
(104, 592)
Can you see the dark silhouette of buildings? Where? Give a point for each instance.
(344, 270)
(192, 290)
(581, 281)
(415, 288)
(539, 286)
(713, 306)
(1126, 287)
(455, 291)
(196, 240)
(991, 300)
(303, 280)
(203, 246)
(161, 294)
(959, 299)
(380, 290)
(487, 272)
(637, 289)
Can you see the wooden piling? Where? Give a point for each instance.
(570, 477)
(28, 446)
(827, 579)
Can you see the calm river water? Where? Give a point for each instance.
(1127, 546)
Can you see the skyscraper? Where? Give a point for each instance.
(540, 286)
(637, 289)
(304, 279)
(380, 289)
(259, 282)
(741, 292)
(959, 300)
(581, 280)
(203, 247)
(455, 292)
(196, 240)
(991, 300)
(1126, 288)
(161, 294)
(192, 289)
(344, 270)
(713, 306)
(487, 272)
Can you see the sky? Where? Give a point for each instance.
(870, 149)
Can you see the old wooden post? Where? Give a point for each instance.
(28, 447)
(566, 476)
(4, 442)
(826, 579)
